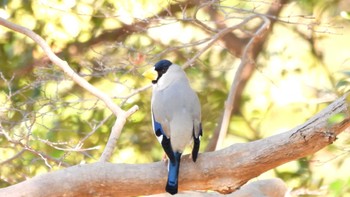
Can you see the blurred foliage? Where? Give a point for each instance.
(48, 122)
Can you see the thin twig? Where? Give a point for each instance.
(287, 19)
(81, 142)
(218, 36)
(12, 158)
(26, 147)
(135, 92)
(75, 149)
(200, 23)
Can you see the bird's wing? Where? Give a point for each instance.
(197, 125)
(160, 123)
(196, 116)
(160, 114)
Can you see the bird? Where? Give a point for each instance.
(176, 116)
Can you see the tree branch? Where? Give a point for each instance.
(247, 60)
(244, 71)
(120, 113)
(224, 171)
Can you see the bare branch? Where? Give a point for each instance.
(231, 41)
(200, 23)
(12, 158)
(63, 65)
(216, 37)
(121, 114)
(112, 140)
(26, 147)
(246, 59)
(75, 149)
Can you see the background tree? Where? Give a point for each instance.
(294, 68)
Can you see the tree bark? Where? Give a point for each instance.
(262, 188)
(224, 171)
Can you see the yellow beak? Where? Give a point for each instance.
(151, 74)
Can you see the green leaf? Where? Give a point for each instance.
(346, 72)
(336, 187)
(345, 14)
(342, 83)
(336, 118)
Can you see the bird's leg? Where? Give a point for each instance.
(164, 158)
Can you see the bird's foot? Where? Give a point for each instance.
(164, 158)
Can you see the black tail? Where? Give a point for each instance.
(173, 174)
(195, 148)
(196, 144)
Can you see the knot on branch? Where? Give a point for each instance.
(227, 190)
(330, 136)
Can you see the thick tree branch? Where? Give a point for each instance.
(261, 188)
(224, 171)
(113, 137)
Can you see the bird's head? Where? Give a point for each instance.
(158, 70)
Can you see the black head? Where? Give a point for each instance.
(161, 67)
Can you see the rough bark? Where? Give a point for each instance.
(224, 171)
(262, 188)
